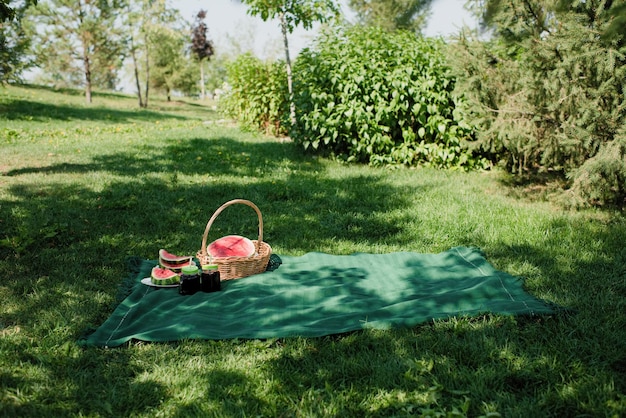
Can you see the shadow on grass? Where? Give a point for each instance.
(62, 251)
(63, 245)
(567, 365)
(304, 209)
(73, 378)
(39, 111)
(68, 91)
(20, 108)
(215, 157)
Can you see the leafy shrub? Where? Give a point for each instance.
(367, 95)
(258, 98)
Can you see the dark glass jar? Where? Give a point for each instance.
(189, 281)
(210, 279)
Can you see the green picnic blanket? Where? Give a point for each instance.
(320, 294)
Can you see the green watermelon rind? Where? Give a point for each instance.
(173, 258)
(157, 278)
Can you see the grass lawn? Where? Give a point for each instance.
(82, 188)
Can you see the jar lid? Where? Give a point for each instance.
(190, 270)
(210, 267)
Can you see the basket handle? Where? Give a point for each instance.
(203, 249)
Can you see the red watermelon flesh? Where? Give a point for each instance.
(163, 276)
(177, 267)
(231, 246)
(173, 258)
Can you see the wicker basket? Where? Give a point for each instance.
(237, 267)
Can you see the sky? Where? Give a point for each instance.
(227, 20)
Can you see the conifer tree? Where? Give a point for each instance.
(392, 14)
(9, 12)
(547, 90)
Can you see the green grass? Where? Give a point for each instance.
(82, 188)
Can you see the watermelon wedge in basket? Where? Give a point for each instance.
(231, 246)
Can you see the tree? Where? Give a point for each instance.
(392, 14)
(135, 13)
(14, 43)
(148, 23)
(168, 61)
(201, 46)
(547, 90)
(78, 42)
(291, 14)
(8, 12)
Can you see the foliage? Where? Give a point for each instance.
(601, 180)
(9, 12)
(547, 91)
(6, 12)
(201, 46)
(258, 97)
(157, 39)
(617, 17)
(216, 72)
(290, 14)
(294, 12)
(86, 187)
(168, 60)
(14, 46)
(78, 44)
(371, 96)
(409, 15)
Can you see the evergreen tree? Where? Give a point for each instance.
(9, 13)
(547, 91)
(391, 15)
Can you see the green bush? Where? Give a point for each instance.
(601, 180)
(383, 98)
(258, 98)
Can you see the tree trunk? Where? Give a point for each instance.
(145, 104)
(136, 69)
(86, 62)
(202, 88)
(292, 104)
(87, 67)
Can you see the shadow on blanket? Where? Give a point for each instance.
(320, 294)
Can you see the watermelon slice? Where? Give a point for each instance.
(174, 262)
(172, 258)
(162, 277)
(174, 266)
(231, 246)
